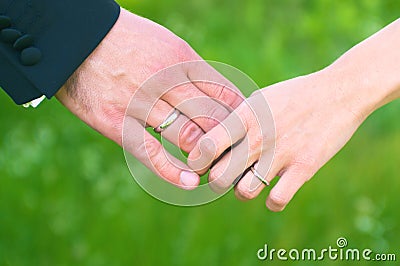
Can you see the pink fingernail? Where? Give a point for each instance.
(189, 179)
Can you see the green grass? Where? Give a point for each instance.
(67, 198)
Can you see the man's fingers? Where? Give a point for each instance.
(216, 141)
(285, 189)
(202, 109)
(183, 132)
(151, 153)
(225, 94)
(214, 84)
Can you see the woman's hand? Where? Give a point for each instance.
(308, 120)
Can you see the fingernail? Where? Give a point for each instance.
(189, 179)
(208, 146)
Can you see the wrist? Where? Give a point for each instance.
(367, 75)
(351, 89)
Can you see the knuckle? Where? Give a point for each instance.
(224, 94)
(304, 164)
(182, 45)
(217, 113)
(218, 92)
(248, 118)
(149, 149)
(259, 142)
(232, 98)
(184, 50)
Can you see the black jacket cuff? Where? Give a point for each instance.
(63, 34)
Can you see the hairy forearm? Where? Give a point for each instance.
(368, 75)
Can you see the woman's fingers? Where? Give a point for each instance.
(285, 189)
(216, 141)
(250, 186)
(243, 189)
(230, 167)
(151, 153)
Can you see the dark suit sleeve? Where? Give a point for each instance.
(42, 42)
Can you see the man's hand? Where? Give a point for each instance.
(100, 90)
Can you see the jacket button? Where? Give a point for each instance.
(23, 42)
(30, 56)
(10, 35)
(5, 22)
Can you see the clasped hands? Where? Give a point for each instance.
(288, 130)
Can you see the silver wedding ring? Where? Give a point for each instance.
(168, 121)
(259, 177)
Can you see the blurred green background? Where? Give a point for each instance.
(67, 198)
